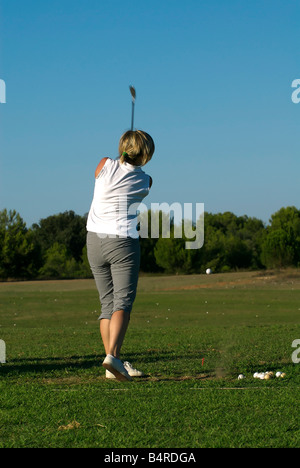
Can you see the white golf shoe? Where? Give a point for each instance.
(116, 367)
(129, 368)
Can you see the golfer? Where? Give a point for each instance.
(113, 242)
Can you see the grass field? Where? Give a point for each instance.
(53, 391)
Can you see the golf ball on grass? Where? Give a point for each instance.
(267, 375)
(259, 375)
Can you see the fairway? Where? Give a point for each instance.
(191, 335)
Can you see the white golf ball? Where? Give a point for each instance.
(241, 376)
(208, 271)
(278, 374)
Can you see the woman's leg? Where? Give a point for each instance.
(123, 256)
(104, 331)
(117, 331)
(113, 332)
(102, 274)
(115, 265)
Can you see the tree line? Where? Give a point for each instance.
(56, 246)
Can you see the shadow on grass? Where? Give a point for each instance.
(47, 365)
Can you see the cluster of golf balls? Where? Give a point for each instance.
(268, 375)
(264, 375)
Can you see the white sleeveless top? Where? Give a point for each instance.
(119, 189)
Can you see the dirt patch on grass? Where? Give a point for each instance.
(72, 380)
(286, 279)
(178, 378)
(66, 383)
(219, 284)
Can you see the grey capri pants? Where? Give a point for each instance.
(115, 264)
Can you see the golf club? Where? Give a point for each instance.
(133, 94)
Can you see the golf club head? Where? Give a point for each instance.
(133, 95)
(132, 92)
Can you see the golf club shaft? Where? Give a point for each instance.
(133, 95)
(132, 115)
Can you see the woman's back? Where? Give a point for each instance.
(119, 189)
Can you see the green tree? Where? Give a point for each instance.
(85, 269)
(287, 219)
(277, 249)
(17, 250)
(172, 255)
(281, 243)
(231, 242)
(147, 245)
(68, 229)
(58, 264)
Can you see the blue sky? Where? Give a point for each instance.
(213, 81)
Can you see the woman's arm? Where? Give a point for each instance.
(100, 166)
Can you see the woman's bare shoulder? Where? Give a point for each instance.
(100, 166)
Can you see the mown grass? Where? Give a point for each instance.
(192, 336)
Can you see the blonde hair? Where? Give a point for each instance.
(136, 147)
